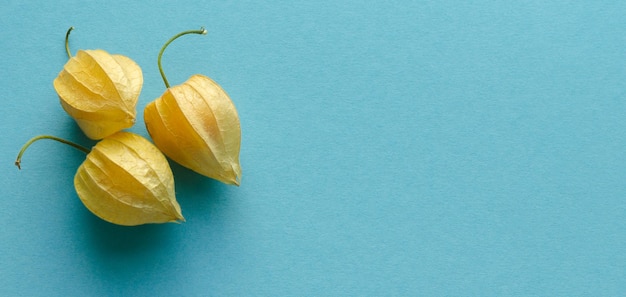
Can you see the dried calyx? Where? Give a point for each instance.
(124, 180)
(196, 125)
(99, 90)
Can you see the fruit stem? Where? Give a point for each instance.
(18, 161)
(201, 31)
(67, 42)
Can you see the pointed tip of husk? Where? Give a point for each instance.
(235, 169)
(178, 216)
(179, 219)
(234, 179)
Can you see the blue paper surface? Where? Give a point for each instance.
(389, 148)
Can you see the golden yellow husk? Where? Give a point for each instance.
(196, 125)
(126, 180)
(100, 91)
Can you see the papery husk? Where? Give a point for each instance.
(196, 125)
(127, 181)
(100, 91)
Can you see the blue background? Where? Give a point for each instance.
(390, 148)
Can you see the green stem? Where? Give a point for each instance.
(201, 31)
(18, 161)
(67, 42)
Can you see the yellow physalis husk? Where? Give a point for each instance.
(100, 91)
(196, 125)
(126, 180)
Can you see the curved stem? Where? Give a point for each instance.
(67, 42)
(18, 161)
(201, 31)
